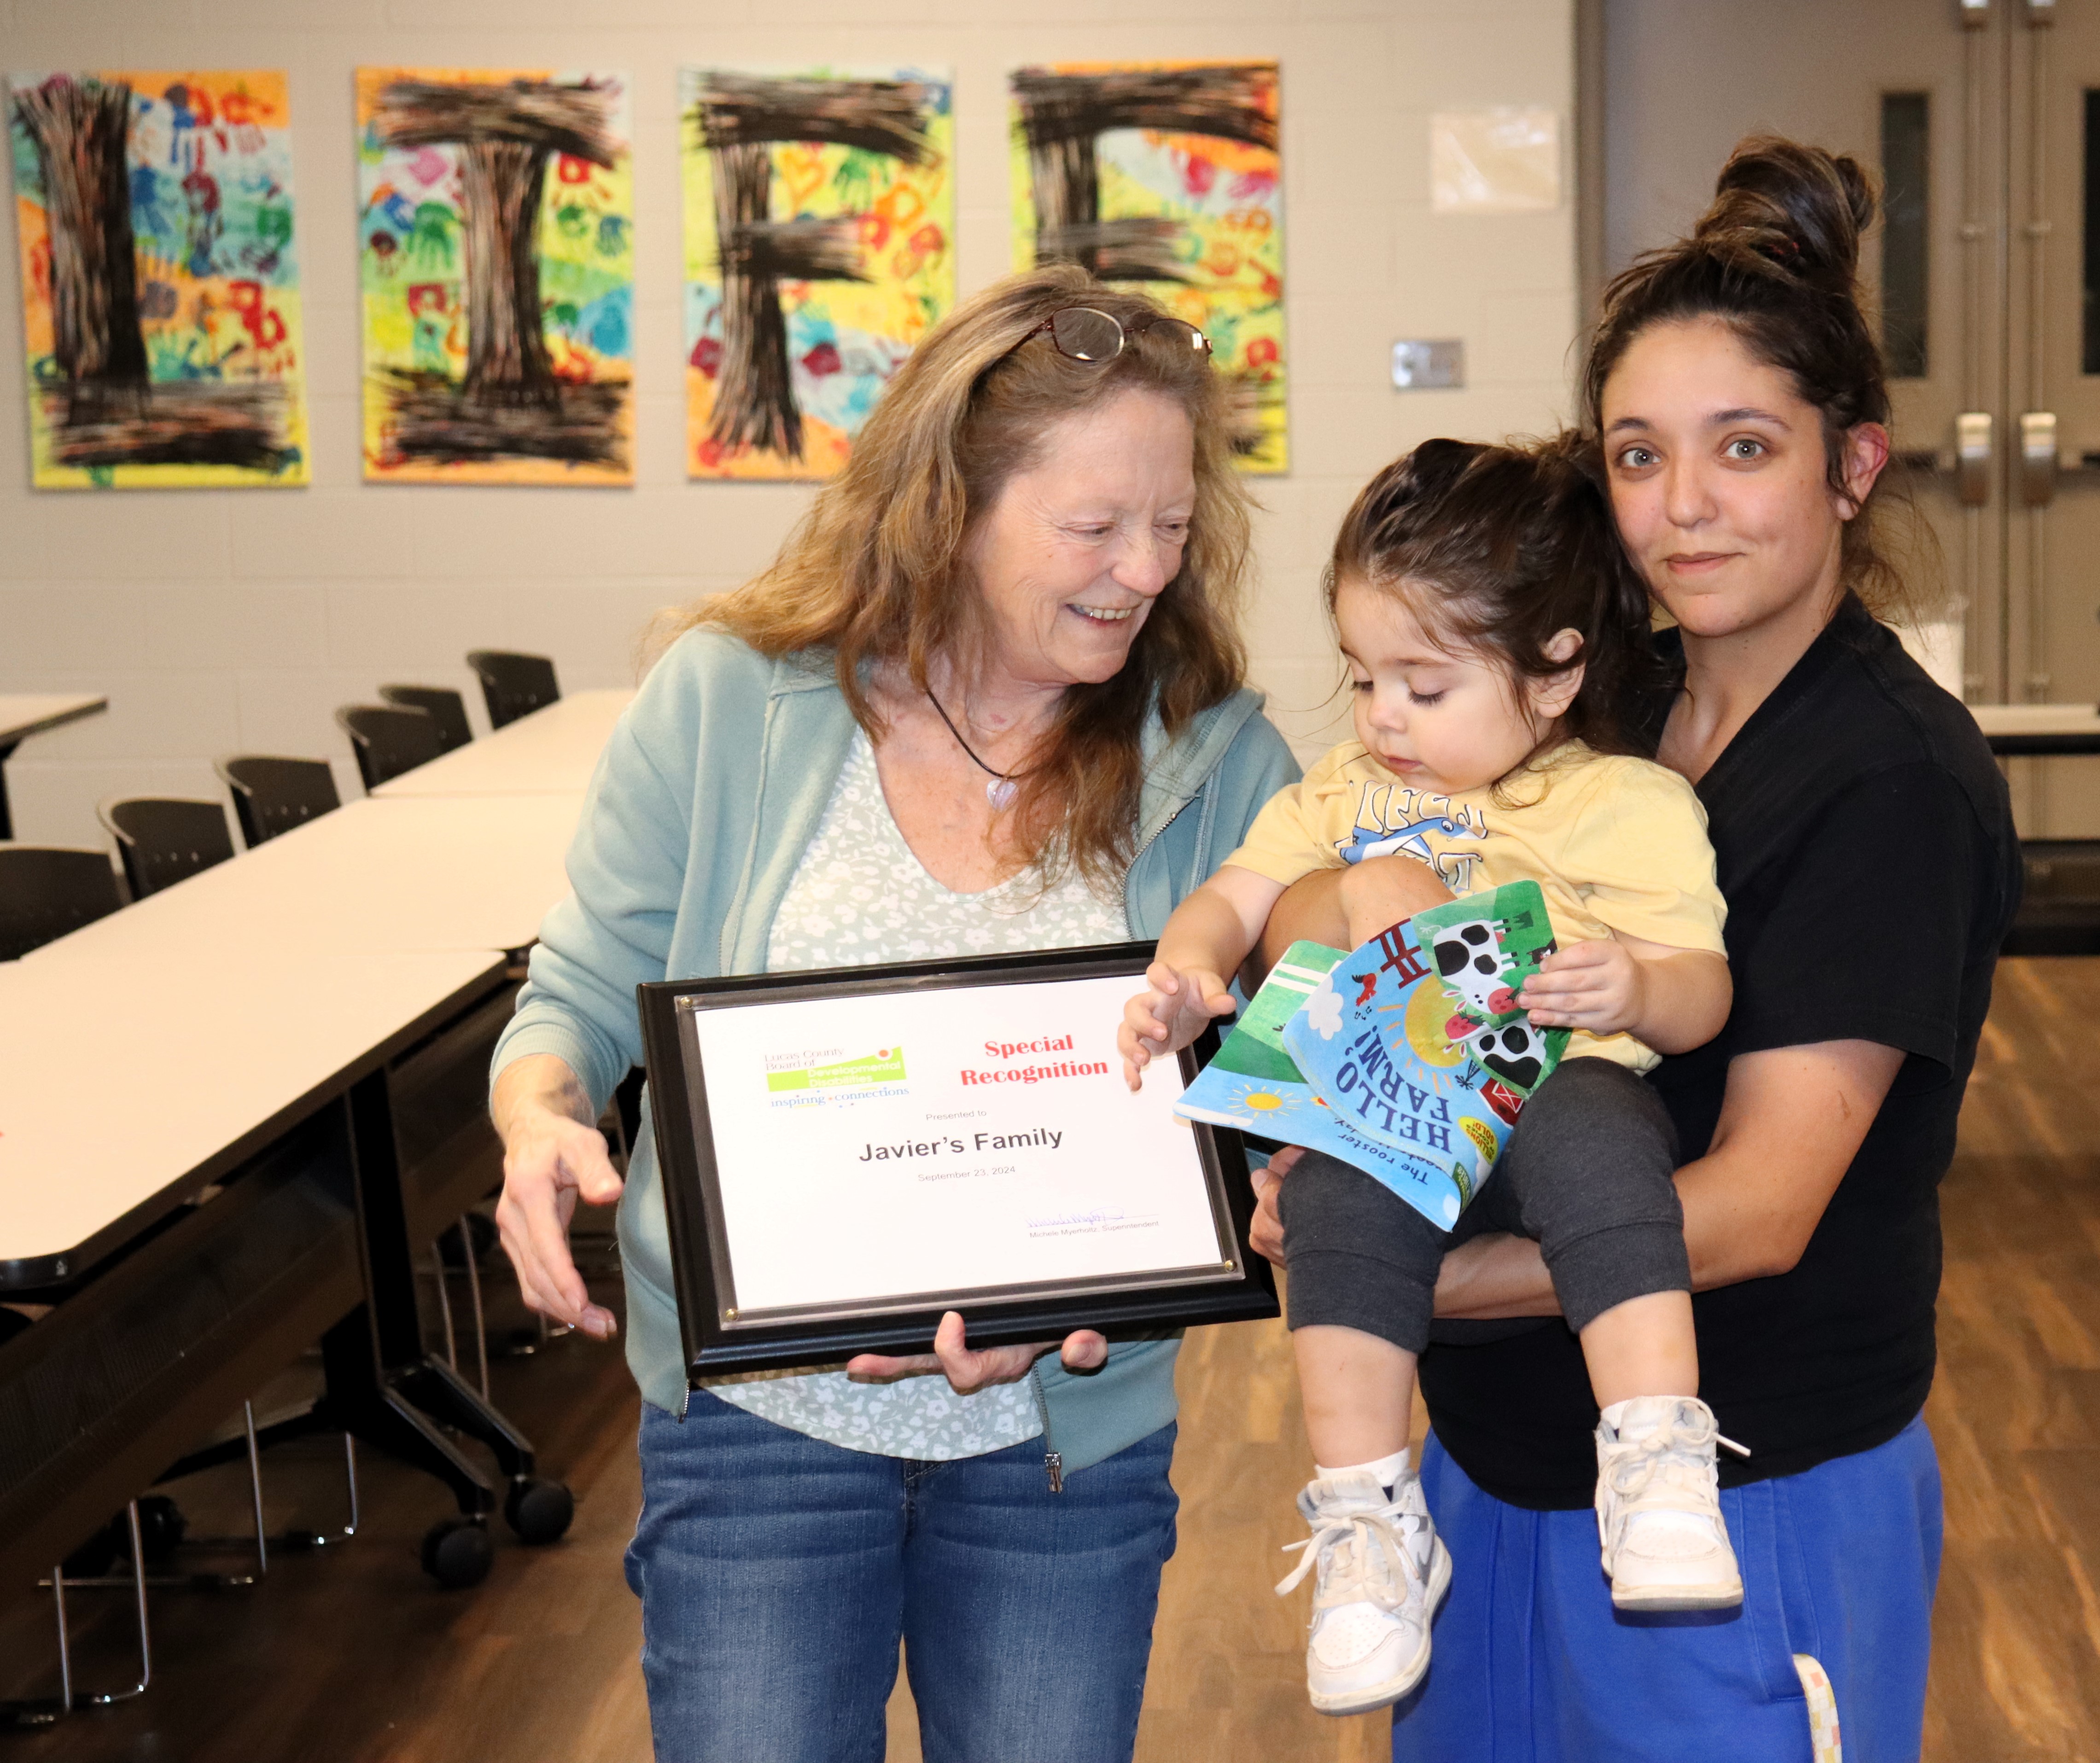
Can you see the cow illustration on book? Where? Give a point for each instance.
(1483, 974)
(1512, 1052)
(1474, 962)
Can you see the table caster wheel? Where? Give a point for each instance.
(161, 1527)
(539, 1510)
(457, 1552)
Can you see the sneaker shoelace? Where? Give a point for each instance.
(1368, 1540)
(1663, 1471)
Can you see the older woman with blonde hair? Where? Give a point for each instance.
(988, 698)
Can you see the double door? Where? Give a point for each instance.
(1983, 117)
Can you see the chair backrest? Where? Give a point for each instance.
(44, 893)
(272, 795)
(163, 841)
(389, 740)
(444, 704)
(515, 686)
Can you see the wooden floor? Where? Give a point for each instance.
(2016, 1410)
(351, 1656)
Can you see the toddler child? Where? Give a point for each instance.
(1495, 634)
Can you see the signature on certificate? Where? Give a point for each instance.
(1095, 1218)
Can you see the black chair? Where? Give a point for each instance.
(45, 892)
(445, 705)
(389, 741)
(515, 686)
(163, 841)
(273, 795)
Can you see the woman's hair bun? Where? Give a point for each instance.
(1800, 208)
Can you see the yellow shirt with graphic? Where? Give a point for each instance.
(1615, 843)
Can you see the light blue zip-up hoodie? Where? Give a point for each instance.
(707, 794)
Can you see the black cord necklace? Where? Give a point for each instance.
(1002, 790)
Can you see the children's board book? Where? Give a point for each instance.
(1408, 1058)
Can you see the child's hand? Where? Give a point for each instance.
(1596, 986)
(1175, 1008)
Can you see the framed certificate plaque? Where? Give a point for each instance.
(847, 1154)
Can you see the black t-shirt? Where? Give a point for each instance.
(1866, 849)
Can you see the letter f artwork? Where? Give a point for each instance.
(794, 370)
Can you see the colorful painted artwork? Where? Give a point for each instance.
(1166, 174)
(160, 289)
(819, 249)
(497, 255)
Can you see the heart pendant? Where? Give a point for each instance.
(1000, 793)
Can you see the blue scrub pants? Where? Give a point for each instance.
(1532, 1664)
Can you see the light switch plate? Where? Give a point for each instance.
(1425, 363)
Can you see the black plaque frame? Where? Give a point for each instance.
(717, 1339)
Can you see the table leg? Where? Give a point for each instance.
(6, 819)
(384, 1389)
(372, 1404)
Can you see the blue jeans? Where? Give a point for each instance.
(777, 1574)
(1533, 1665)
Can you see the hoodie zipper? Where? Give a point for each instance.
(1157, 833)
(1181, 809)
(1054, 1459)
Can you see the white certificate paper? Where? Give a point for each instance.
(876, 1146)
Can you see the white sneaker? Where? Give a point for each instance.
(1659, 1519)
(1382, 1572)
(1432, 1559)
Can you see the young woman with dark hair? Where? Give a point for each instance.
(1736, 399)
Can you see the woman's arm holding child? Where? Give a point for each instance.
(1674, 1000)
(1791, 1122)
(1190, 978)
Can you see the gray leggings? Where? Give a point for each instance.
(1585, 1174)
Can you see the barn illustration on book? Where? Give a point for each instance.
(497, 263)
(159, 287)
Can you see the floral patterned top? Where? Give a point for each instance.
(859, 897)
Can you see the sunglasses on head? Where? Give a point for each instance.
(1086, 333)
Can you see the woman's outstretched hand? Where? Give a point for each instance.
(970, 1369)
(551, 1160)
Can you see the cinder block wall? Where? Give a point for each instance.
(219, 621)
